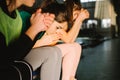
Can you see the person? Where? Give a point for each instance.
(71, 51)
(15, 45)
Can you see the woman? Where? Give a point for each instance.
(16, 45)
(71, 51)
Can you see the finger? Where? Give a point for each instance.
(39, 10)
(49, 16)
(56, 37)
(33, 15)
(48, 21)
(52, 15)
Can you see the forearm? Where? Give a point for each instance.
(32, 32)
(75, 31)
(72, 34)
(19, 48)
(47, 40)
(38, 44)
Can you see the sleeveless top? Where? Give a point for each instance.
(10, 27)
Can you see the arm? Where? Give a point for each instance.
(16, 50)
(47, 40)
(71, 35)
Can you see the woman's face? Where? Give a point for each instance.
(28, 3)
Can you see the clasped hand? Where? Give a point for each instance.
(41, 21)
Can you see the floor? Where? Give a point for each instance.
(100, 62)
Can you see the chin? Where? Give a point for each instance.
(29, 4)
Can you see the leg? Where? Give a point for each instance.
(71, 55)
(49, 58)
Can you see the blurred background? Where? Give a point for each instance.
(102, 22)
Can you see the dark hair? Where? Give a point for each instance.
(58, 9)
(68, 7)
(5, 6)
(3, 3)
(63, 11)
(45, 3)
(77, 5)
(72, 5)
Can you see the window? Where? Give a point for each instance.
(83, 1)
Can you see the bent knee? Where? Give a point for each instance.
(77, 49)
(77, 46)
(56, 55)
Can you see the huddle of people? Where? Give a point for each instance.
(48, 41)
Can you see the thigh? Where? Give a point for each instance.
(68, 47)
(38, 56)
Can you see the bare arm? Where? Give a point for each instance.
(71, 35)
(47, 40)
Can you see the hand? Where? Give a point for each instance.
(61, 32)
(50, 39)
(48, 19)
(83, 14)
(37, 21)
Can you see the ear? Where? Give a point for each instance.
(75, 14)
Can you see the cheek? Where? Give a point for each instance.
(29, 3)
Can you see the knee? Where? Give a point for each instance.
(77, 46)
(77, 49)
(56, 55)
